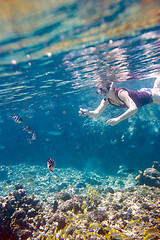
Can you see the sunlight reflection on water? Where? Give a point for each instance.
(47, 46)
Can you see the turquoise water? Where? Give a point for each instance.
(51, 62)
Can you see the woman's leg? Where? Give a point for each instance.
(157, 83)
(156, 91)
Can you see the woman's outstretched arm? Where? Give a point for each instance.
(98, 111)
(132, 109)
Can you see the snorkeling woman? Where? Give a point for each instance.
(123, 98)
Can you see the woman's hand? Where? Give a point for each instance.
(113, 121)
(84, 112)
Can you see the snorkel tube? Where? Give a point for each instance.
(111, 86)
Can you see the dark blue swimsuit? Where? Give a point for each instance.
(140, 98)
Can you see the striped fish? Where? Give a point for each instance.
(50, 164)
(33, 137)
(16, 118)
(27, 129)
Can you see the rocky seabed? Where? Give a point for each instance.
(72, 204)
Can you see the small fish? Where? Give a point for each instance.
(151, 230)
(50, 164)
(29, 141)
(27, 129)
(132, 146)
(29, 116)
(130, 170)
(80, 185)
(110, 190)
(33, 137)
(16, 118)
(124, 170)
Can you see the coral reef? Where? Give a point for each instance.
(16, 213)
(151, 176)
(125, 214)
(94, 212)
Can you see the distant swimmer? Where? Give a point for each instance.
(123, 98)
(16, 118)
(50, 164)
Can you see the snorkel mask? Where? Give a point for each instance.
(102, 90)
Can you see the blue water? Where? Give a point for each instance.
(51, 62)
